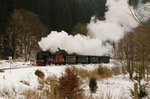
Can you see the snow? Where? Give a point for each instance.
(116, 87)
(7, 64)
(12, 81)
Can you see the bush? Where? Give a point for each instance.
(31, 94)
(69, 85)
(93, 85)
(82, 72)
(104, 72)
(142, 91)
(49, 87)
(25, 82)
(116, 70)
(53, 82)
(40, 74)
(1, 71)
(99, 73)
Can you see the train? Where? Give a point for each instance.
(47, 58)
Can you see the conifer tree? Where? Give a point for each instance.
(93, 85)
(69, 85)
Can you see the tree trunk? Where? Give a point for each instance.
(26, 53)
(135, 91)
(131, 75)
(14, 55)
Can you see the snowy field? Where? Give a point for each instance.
(12, 80)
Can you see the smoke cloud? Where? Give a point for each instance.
(73, 44)
(118, 20)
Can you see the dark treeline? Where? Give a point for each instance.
(24, 22)
(55, 14)
(49, 15)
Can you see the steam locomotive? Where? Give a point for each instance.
(47, 58)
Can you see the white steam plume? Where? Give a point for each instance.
(118, 20)
(73, 44)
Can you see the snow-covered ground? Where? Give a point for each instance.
(12, 80)
(113, 88)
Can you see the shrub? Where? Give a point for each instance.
(25, 82)
(40, 74)
(93, 85)
(1, 71)
(142, 91)
(85, 74)
(99, 73)
(104, 72)
(69, 85)
(31, 94)
(81, 72)
(54, 92)
(116, 70)
(49, 87)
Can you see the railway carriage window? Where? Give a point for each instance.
(83, 59)
(50, 58)
(105, 59)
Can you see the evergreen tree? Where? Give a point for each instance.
(69, 85)
(93, 85)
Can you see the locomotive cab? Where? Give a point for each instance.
(50, 60)
(42, 58)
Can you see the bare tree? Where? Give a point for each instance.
(134, 51)
(24, 30)
(126, 52)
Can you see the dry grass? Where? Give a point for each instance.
(104, 72)
(99, 73)
(30, 94)
(40, 74)
(36, 94)
(25, 82)
(85, 74)
(47, 89)
(1, 71)
(52, 81)
(7, 94)
(49, 86)
(102, 96)
(116, 70)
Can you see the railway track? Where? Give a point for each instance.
(16, 67)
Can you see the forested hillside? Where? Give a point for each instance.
(24, 22)
(53, 14)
